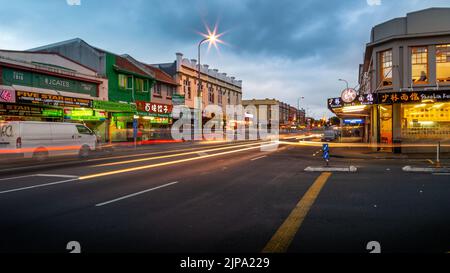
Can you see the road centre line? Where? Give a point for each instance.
(283, 237)
(167, 163)
(256, 158)
(16, 177)
(175, 155)
(135, 194)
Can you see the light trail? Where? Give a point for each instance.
(168, 163)
(176, 155)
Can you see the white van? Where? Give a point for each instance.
(39, 140)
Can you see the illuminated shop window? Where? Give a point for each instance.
(419, 65)
(426, 121)
(443, 63)
(386, 68)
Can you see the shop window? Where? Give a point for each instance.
(386, 68)
(386, 124)
(419, 65)
(443, 63)
(425, 121)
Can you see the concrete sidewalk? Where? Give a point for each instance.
(369, 153)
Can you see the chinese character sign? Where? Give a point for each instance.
(154, 108)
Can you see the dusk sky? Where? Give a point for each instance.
(280, 49)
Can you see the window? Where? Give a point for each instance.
(211, 94)
(443, 63)
(419, 65)
(386, 68)
(158, 89)
(229, 97)
(219, 96)
(83, 130)
(187, 88)
(170, 90)
(122, 81)
(141, 85)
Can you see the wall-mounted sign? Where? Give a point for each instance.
(53, 100)
(27, 110)
(349, 95)
(84, 114)
(412, 97)
(178, 99)
(7, 95)
(33, 79)
(111, 106)
(355, 121)
(154, 108)
(363, 99)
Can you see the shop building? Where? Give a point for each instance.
(406, 76)
(289, 117)
(128, 84)
(50, 87)
(217, 88)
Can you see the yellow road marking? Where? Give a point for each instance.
(431, 161)
(167, 163)
(281, 240)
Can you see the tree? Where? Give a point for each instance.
(334, 121)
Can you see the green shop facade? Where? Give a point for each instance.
(127, 84)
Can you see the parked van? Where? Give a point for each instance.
(40, 140)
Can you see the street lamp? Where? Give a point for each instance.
(212, 38)
(346, 82)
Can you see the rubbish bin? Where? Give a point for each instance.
(397, 146)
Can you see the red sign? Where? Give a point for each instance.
(7, 95)
(154, 108)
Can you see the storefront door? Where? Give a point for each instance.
(386, 125)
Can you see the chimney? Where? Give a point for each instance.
(194, 62)
(233, 78)
(179, 60)
(216, 70)
(206, 66)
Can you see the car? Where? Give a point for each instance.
(40, 140)
(329, 135)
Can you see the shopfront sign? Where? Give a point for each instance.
(178, 99)
(158, 109)
(355, 121)
(111, 106)
(29, 111)
(349, 95)
(84, 114)
(363, 99)
(413, 97)
(53, 100)
(7, 95)
(33, 79)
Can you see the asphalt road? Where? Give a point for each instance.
(224, 198)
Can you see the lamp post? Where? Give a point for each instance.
(346, 82)
(212, 38)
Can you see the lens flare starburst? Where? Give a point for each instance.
(212, 37)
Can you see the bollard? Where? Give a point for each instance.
(438, 152)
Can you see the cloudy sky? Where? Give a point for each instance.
(282, 49)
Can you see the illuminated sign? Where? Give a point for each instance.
(354, 121)
(363, 99)
(414, 96)
(84, 114)
(349, 95)
(154, 108)
(7, 95)
(53, 100)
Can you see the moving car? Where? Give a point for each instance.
(329, 135)
(40, 140)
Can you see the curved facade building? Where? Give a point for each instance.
(406, 71)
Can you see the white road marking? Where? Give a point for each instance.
(39, 186)
(331, 169)
(441, 173)
(56, 175)
(256, 158)
(16, 177)
(135, 194)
